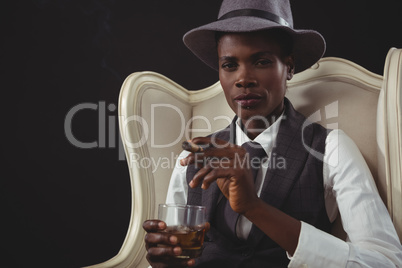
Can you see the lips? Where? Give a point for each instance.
(248, 100)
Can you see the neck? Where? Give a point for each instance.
(253, 128)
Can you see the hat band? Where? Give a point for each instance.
(255, 13)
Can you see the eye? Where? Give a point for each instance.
(229, 65)
(263, 62)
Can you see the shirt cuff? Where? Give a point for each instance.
(317, 248)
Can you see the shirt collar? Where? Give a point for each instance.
(266, 138)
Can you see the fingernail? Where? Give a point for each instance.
(161, 225)
(173, 239)
(177, 250)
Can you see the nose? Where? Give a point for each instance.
(245, 79)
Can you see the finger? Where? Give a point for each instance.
(196, 159)
(154, 225)
(190, 262)
(207, 226)
(167, 257)
(215, 174)
(158, 253)
(189, 159)
(199, 176)
(215, 168)
(205, 147)
(160, 238)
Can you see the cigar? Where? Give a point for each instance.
(194, 148)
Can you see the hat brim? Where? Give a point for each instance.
(309, 45)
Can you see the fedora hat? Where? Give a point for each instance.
(255, 15)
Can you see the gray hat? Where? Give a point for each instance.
(255, 15)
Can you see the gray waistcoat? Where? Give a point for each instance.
(296, 189)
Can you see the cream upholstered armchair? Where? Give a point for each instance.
(156, 115)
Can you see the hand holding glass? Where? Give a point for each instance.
(187, 223)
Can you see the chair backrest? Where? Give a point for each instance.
(156, 115)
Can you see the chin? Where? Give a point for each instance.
(248, 113)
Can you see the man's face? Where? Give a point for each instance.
(253, 74)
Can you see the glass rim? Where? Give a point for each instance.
(184, 206)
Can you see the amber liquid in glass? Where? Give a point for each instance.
(190, 239)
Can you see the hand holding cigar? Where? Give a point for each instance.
(194, 148)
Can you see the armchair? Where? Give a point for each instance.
(156, 115)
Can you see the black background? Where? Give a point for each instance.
(64, 206)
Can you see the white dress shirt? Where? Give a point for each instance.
(349, 189)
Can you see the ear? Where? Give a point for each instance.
(290, 62)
